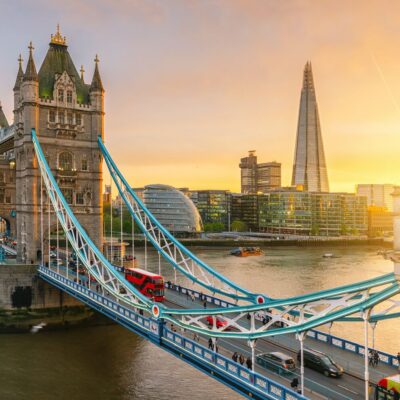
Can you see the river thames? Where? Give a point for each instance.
(109, 362)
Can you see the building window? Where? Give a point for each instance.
(80, 198)
(52, 116)
(8, 199)
(68, 194)
(61, 95)
(61, 118)
(69, 119)
(65, 161)
(84, 164)
(1, 177)
(78, 118)
(69, 96)
(1, 197)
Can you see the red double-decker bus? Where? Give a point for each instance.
(149, 284)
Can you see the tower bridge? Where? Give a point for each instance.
(56, 165)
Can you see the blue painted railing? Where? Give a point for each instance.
(244, 381)
(230, 367)
(335, 341)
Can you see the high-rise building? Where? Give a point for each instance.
(309, 168)
(379, 195)
(258, 178)
(248, 173)
(107, 194)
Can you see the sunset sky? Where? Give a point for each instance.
(191, 86)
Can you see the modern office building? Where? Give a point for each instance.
(213, 206)
(379, 195)
(258, 178)
(245, 208)
(313, 214)
(107, 194)
(309, 168)
(173, 209)
(380, 221)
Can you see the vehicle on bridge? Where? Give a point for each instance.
(321, 362)
(388, 388)
(276, 361)
(149, 284)
(218, 322)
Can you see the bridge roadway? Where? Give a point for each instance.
(349, 386)
(317, 386)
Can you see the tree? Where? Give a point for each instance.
(214, 227)
(239, 226)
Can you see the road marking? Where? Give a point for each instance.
(349, 390)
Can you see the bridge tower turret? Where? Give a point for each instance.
(17, 91)
(68, 115)
(27, 178)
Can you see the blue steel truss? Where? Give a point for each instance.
(174, 252)
(294, 315)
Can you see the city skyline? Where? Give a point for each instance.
(218, 98)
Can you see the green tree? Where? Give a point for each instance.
(214, 227)
(239, 226)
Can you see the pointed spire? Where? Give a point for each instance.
(82, 71)
(3, 119)
(309, 167)
(308, 81)
(57, 38)
(30, 73)
(20, 74)
(96, 85)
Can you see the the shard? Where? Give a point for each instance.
(309, 168)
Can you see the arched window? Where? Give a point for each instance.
(61, 95)
(65, 161)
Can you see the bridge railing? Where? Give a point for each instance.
(160, 334)
(235, 369)
(351, 347)
(344, 344)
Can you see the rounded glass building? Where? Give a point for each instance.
(175, 211)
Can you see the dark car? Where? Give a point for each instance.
(321, 362)
(277, 361)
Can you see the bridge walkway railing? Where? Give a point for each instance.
(348, 346)
(220, 367)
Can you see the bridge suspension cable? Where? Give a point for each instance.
(174, 252)
(90, 256)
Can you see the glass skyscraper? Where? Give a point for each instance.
(309, 168)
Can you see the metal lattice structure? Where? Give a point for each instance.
(91, 257)
(174, 252)
(280, 316)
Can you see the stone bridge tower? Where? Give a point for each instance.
(68, 116)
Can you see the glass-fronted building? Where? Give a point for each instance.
(175, 211)
(313, 214)
(213, 205)
(245, 208)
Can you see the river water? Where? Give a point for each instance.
(110, 362)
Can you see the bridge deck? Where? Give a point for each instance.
(350, 386)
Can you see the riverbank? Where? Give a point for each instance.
(21, 321)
